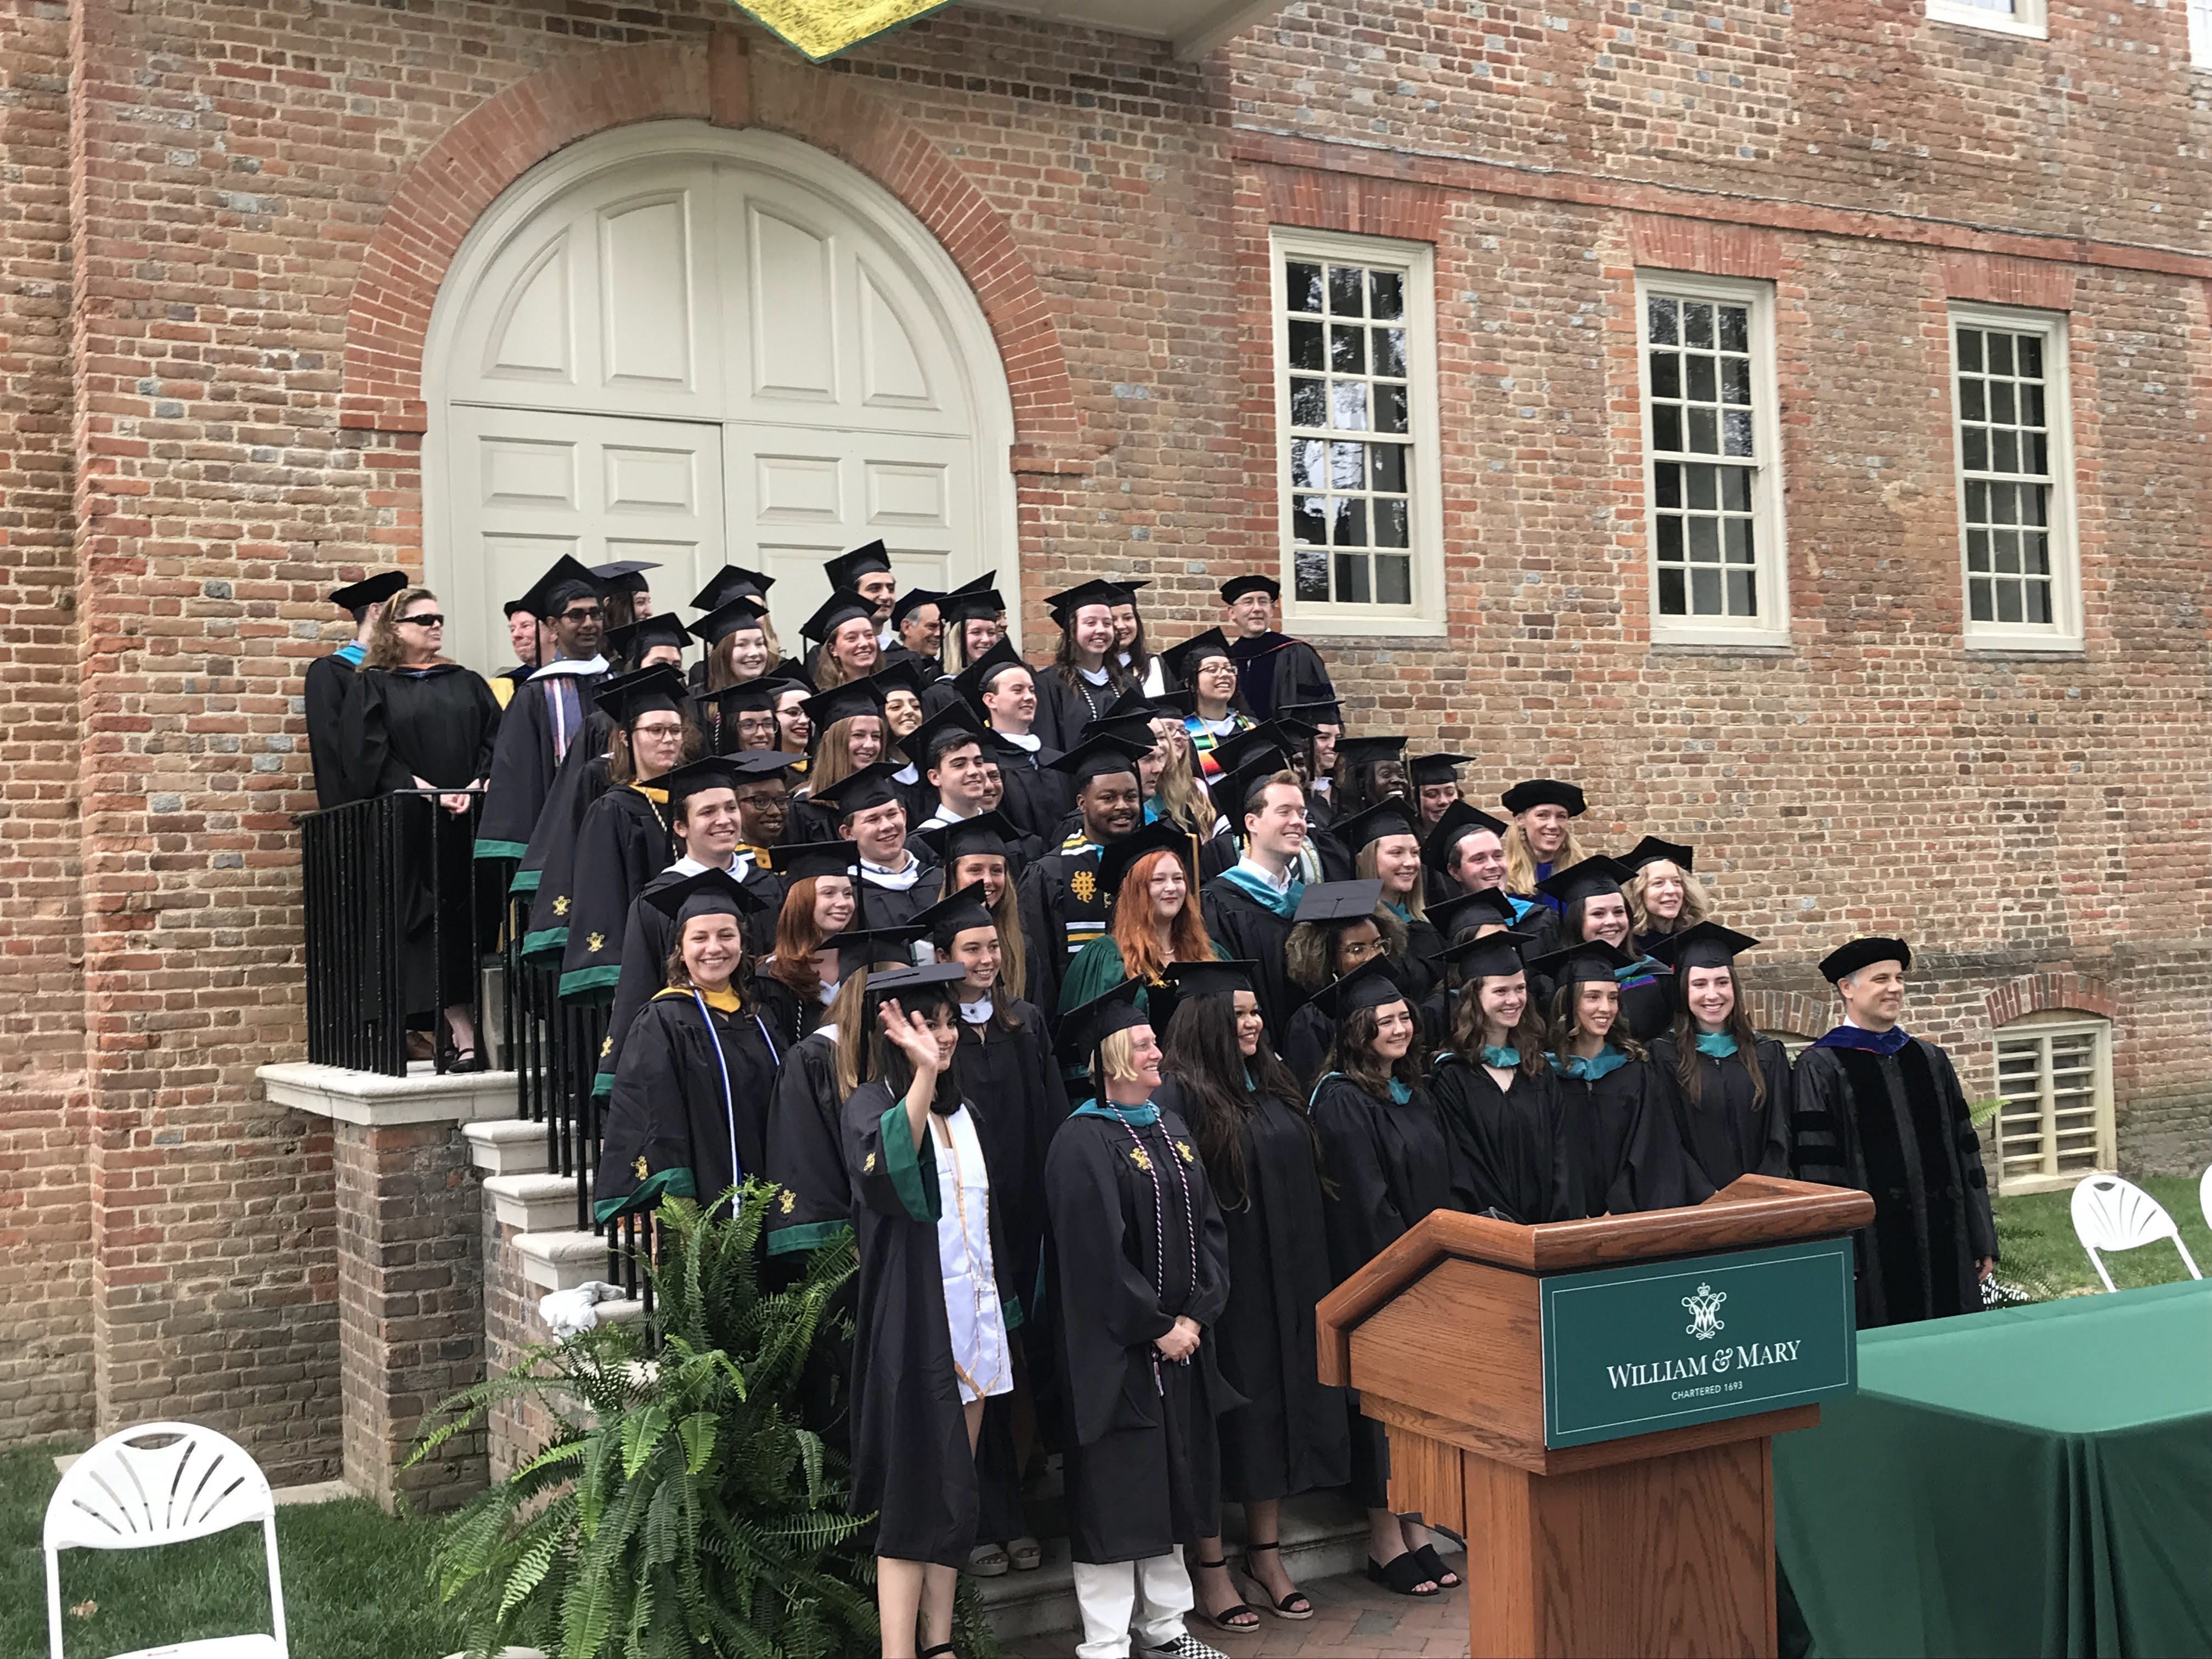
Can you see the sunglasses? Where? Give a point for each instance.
(425, 619)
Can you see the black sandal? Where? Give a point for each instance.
(1220, 1621)
(1284, 1608)
(1433, 1565)
(932, 1653)
(1403, 1575)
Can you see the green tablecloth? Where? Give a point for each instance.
(2033, 1482)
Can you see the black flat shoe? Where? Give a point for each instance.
(1433, 1568)
(1402, 1576)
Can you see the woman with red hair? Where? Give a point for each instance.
(797, 982)
(1156, 916)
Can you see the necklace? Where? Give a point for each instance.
(1147, 1163)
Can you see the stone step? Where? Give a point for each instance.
(507, 1146)
(561, 1261)
(533, 1203)
(1324, 1536)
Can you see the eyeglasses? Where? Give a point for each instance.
(584, 614)
(660, 731)
(424, 619)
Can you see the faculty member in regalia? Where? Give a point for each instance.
(1881, 1110)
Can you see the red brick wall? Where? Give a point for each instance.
(245, 305)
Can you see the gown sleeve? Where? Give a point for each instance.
(1657, 1170)
(615, 845)
(886, 1170)
(328, 695)
(1362, 1217)
(1083, 1198)
(644, 964)
(1306, 1044)
(646, 1151)
(365, 741)
(1781, 1104)
(490, 712)
(814, 1204)
(1820, 1127)
(518, 777)
(1981, 1225)
(1042, 943)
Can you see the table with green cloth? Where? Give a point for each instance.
(2033, 1480)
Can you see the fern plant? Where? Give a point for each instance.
(686, 1502)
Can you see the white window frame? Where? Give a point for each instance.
(2200, 34)
(2030, 18)
(2064, 632)
(1772, 625)
(2042, 1028)
(1425, 617)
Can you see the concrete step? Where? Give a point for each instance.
(533, 1203)
(1324, 1536)
(506, 1145)
(563, 1260)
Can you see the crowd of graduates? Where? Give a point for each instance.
(1120, 1005)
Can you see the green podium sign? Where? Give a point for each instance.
(1635, 1349)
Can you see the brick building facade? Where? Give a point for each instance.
(224, 228)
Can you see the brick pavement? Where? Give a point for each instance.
(1353, 1619)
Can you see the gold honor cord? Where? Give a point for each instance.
(823, 29)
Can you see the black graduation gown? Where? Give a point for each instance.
(1647, 1001)
(548, 865)
(1508, 1155)
(1391, 1165)
(1623, 1152)
(1897, 1126)
(893, 906)
(669, 1128)
(1250, 932)
(911, 1465)
(789, 1016)
(806, 821)
(523, 764)
(1417, 969)
(1037, 798)
(1305, 1046)
(1142, 1460)
(438, 724)
(623, 843)
(1723, 1133)
(1276, 671)
(1292, 1435)
(1063, 710)
(1062, 910)
(328, 679)
(1013, 1086)
(805, 1157)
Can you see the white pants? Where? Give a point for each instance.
(1150, 1596)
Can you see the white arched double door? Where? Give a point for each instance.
(690, 346)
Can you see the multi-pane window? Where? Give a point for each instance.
(1709, 398)
(2054, 1124)
(2006, 16)
(2012, 483)
(2200, 34)
(1353, 316)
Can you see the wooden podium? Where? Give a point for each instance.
(1653, 1540)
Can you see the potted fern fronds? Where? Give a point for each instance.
(686, 1502)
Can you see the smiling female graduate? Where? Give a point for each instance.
(687, 1116)
(1499, 1100)
(933, 1312)
(1729, 1087)
(1140, 1270)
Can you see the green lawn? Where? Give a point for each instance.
(355, 1583)
(2035, 1235)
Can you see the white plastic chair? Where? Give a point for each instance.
(2204, 1194)
(163, 1483)
(2112, 1214)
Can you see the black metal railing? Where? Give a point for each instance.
(395, 929)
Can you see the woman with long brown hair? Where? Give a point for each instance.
(1337, 928)
(980, 852)
(846, 626)
(1150, 878)
(1729, 1087)
(1086, 674)
(740, 647)
(820, 898)
(1383, 1145)
(850, 735)
(1247, 1114)
(1495, 1089)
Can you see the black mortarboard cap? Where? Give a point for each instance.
(1182, 661)
(1165, 836)
(1238, 748)
(1469, 910)
(1428, 770)
(826, 708)
(1337, 901)
(1137, 733)
(506, 610)
(1593, 961)
(695, 778)
(846, 569)
(1862, 953)
(753, 763)
(732, 581)
(1708, 945)
(975, 679)
(1252, 582)
(872, 785)
(978, 598)
(1083, 1029)
(991, 834)
(1366, 751)
(1064, 603)
(912, 600)
(800, 859)
(904, 675)
(1186, 980)
(923, 988)
(759, 694)
(623, 575)
(373, 590)
(633, 641)
(1652, 850)
(1455, 824)
(1585, 880)
(1233, 794)
(864, 947)
(742, 611)
(1493, 955)
(1101, 754)
(1311, 715)
(709, 893)
(1544, 792)
(1370, 985)
(648, 690)
(1133, 705)
(550, 594)
(950, 726)
(840, 608)
(1388, 816)
(950, 917)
